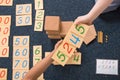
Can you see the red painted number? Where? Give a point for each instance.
(0, 19)
(66, 46)
(4, 52)
(7, 1)
(2, 73)
(4, 40)
(6, 30)
(6, 20)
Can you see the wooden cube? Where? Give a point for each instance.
(52, 23)
(65, 26)
(52, 33)
(91, 35)
(54, 36)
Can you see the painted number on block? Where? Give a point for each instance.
(76, 58)
(18, 74)
(66, 46)
(5, 1)
(2, 74)
(80, 29)
(5, 20)
(61, 56)
(24, 52)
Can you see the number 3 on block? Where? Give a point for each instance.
(60, 57)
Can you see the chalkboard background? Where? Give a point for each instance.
(69, 10)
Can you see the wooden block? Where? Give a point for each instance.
(52, 33)
(73, 39)
(60, 57)
(39, 15)
(36, 60)
(38, 4)
(21, 52)
(4, 40)
(6, 2)
(19, 74)
(90, 36)
(67, 48)
(80, 29)
(75, 59)
(23, 9)
(54, 36)
(5, 20)
(4, 31)
(100, 37)
(21, 40)
(38, 26)
(4, 51)
(3, 74)
(20, 63)
(65, 26)
(37, 51)
(24, 20)
(52, 23)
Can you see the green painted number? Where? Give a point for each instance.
(80, 29)
(37, 51)
(76, 58)
(61, 56)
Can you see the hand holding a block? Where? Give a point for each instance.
(85, 19)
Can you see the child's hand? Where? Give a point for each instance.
(57, 45)
(85, 19)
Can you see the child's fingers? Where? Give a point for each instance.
(58, 43)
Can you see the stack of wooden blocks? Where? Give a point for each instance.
(55, 29)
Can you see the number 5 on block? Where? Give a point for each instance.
(60, 57)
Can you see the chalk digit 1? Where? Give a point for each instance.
(61, 56)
